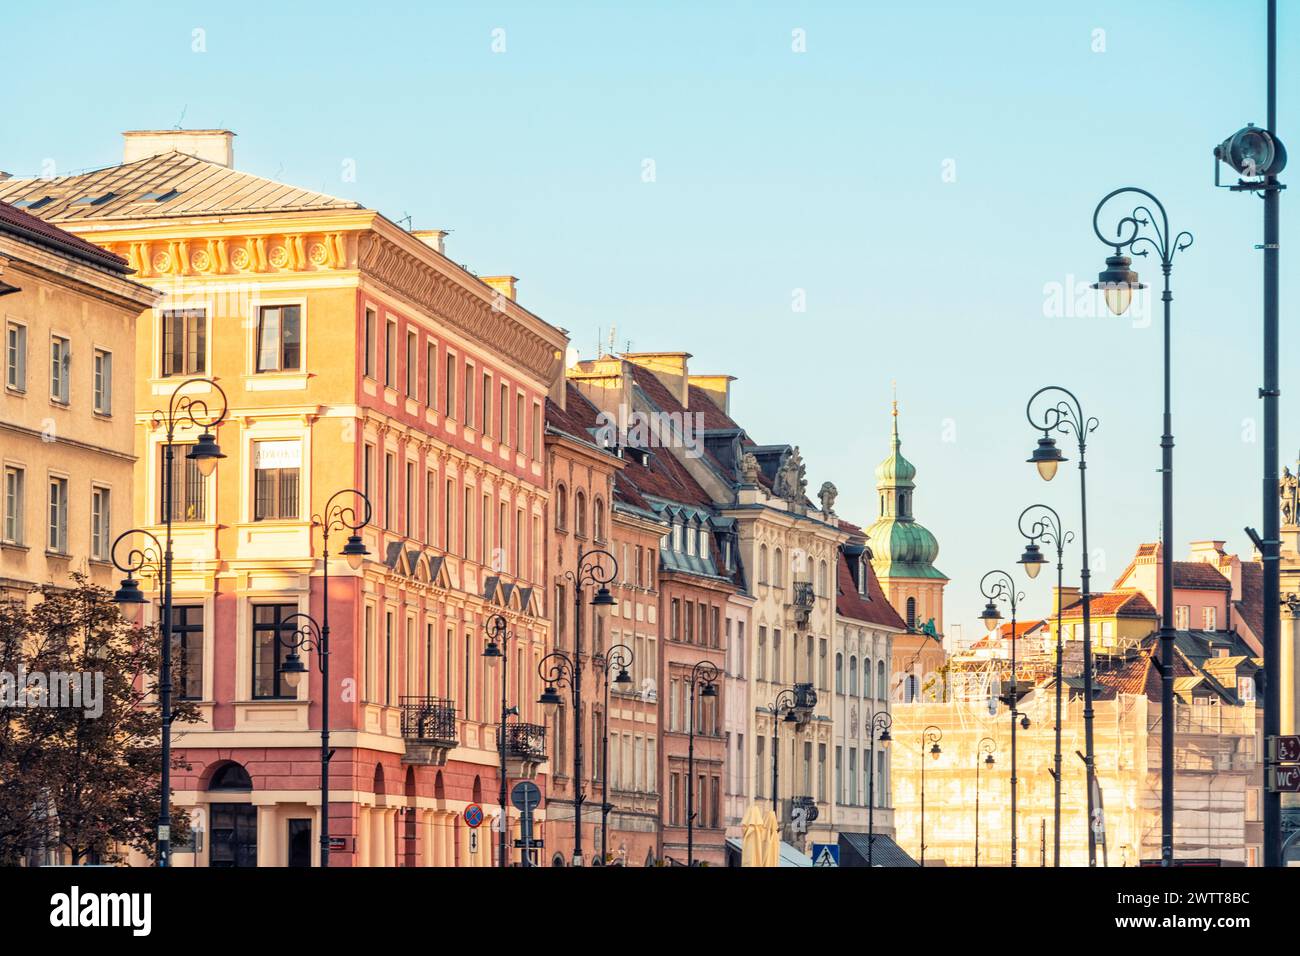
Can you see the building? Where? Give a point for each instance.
(66, 411)
(785, 548)
(865, 628)
(352, 354)
(596, 520)
(903, 553)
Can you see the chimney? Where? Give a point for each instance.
(213, 145)
(1068, 594)
(669, 368)
(435, 239)
(1211, 551)
(505, 285)
(718, 388)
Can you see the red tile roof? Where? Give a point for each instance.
(1199, 576)
(1251, 605)
(1113, 604)
(26, 226)
(702, 402)
(874, 608)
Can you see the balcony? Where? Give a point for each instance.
(429, 728)
(805, 700)
(525, 747)
(801, 605)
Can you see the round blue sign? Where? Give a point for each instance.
(473, 815)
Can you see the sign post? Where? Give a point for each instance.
(526, 797)
(826, 854)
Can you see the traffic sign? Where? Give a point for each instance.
(1285, 779)
(473, 816)
(526, 796)
(1284, 749)
(825, 854)
(473, 842)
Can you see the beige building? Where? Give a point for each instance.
(67, 409)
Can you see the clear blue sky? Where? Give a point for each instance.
(777, 171)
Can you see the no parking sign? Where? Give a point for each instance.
(473, 816)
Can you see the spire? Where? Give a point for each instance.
(897, 441)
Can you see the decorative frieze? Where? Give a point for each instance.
(234, 255)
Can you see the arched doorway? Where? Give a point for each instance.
(410, 843)
(232, 818)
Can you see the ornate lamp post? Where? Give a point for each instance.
(785, 703)
(985, 748)
(703, 673)
(931, 735)
(495, 653)
(620, 657)
(999, 586)
(302, 632)
(560, 669)
(182, 410)
(1118, 281)
(1044, 525)
(1066, 416)
(878, 725)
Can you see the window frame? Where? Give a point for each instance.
(280, 650)
(102, 381)
(259, 329)
(16, 356)
(60, 369)
(15, 517)
(200, 351)
(57, 528)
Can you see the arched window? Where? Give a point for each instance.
(882, 692)
(911, 613)
(912, 687)
(778, 569)
(866, 677)
(902, 504)
(598, 519)
(762, 564)
(821, 580)
(853, 675)
(231, 776)
(561, 507)
(580, 514)
(839, 673)
(862, 575)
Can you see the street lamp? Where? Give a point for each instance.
(300, 631)
(985, 748)
(931, 735)
(1130, 234)
(619, 658)
(703, 673)
(1066, 416)
(1044, 524)
(494, 652)
(878, 725)
(182, 411)
(786, 703)
(999, 586)
(559, 669)
(339, 514)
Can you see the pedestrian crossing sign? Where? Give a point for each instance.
(825, 854)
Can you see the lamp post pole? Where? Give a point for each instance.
(558, 668)
(931, 735)
(878, 725)
(620, 656)
(302, 632)
(985, 747)
(706, 673)
(1044, 524)
(182, 410)
(496, 652)
(1118, 283)
(784, 703)
(1066, 416)
(998, 586)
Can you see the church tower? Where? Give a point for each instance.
(902, 554)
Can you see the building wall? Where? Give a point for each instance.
(856, 703)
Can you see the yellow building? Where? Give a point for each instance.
(67, 417)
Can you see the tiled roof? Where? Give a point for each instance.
(712, 416)
(872, 609)
(1251, 605)
(178, 184)
(665, 401)
(25, 226)
(884, 851)
(1199, 575)
(1112, 604)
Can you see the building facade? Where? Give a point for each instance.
(66, 409)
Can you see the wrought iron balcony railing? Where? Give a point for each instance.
(429, 720)
(805, 699)
(524, 741)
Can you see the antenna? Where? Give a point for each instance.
(180, 121)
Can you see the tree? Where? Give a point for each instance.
(80, 751)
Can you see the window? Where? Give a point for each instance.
(882, 691)
(16, 357)
(390, 353)
(449, 387)
(448, 515)
(486, 421)
(368, 471)
(57, 537)
(184, 342)
(187, 651)
(100, 535)
(598, 519)
(911, 613)
(430, 365)
(689, 533)
(762, 564)
(760, 659)
(412, 364)
(279, 338)
(853, 675)
(103, 384)
(519, 422)
(1210, 618)
(430, 507)
(561, 507)
(408, 515)
(275, 479)
(60, 368)
(188, 486)
(369, 344)
(269, 651)
(537, 432)
(866, 677)
(467, 526)
(14, 499)
(468, 407)
(839, 673)
(390, 492)
(1182, 617)
(503, 412)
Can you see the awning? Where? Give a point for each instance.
(884, 851)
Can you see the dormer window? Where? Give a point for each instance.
(862, 575)
(690, 541)
(677, 536)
